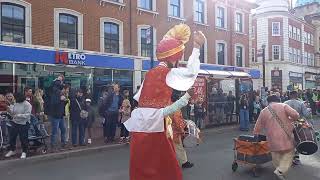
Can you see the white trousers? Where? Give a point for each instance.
(282, 161)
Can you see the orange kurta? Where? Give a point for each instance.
(178, 126)
(152, 155)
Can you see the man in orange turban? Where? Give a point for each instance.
(152, 154)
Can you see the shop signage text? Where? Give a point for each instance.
(70, 58)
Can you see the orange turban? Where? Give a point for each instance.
(170, 48)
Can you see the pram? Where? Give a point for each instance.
(251, 150)
(37, 134)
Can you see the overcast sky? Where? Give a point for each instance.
(294, 1)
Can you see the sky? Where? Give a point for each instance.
(294, 1)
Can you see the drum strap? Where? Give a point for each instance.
(276, 117)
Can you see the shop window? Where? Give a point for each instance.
(13, 23)
(3, 66)
(175, 8)
(111, 38)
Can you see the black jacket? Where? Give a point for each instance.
(75, 109)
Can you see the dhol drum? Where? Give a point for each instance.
(192, 135)
(305, 138)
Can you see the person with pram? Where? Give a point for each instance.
(275, 120)
(303, 111)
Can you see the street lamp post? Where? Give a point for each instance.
(264, 65)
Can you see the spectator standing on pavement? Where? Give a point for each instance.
(135, 103)
(39, 110)
(29, 97)
(231, 99)
(55, 109)
(244, 113)
(90, 119)
(78, 122)
(111, 112)
(125, 113)
(257, 107)
(199, 112)
(20, 112)
(191, 110)
(10, 98)
(281, 142)
(303, 111)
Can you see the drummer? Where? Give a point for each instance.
(281, 142)
(303, 111)
(178, 127)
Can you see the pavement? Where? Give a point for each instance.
(213, 160)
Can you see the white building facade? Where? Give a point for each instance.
(290, 55)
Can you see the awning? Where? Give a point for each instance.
(224, 74)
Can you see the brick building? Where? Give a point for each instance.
(290, 46)
(109, 38)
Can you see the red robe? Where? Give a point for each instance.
(152, 155)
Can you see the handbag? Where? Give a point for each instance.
(83, 113)
(276, 117)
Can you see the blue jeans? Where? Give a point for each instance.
(244, 119)
(57, 123)
(81, 126)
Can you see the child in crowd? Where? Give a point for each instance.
(125, 113)
(90, 120)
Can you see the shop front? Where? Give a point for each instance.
(276, 80)
(296, 79)
(37, 67)
(310, 80)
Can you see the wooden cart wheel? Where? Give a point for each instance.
(234, 166)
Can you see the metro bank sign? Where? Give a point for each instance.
(70, 58)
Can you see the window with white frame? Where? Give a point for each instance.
(305, 38)
(276, 52)
(312, 60)
(202, 54)
(290, 55)
(311, 39)
(294, 55)
(239, 56)
(15, 21)
(305, 58)
(309, 59)
(221, 47)
(200, 11)
(294, 33)
(145, 40)
(147, 4)
(175, 8)
(111, 35)
(253, 32)
(298, 56)
(68, 27)
(290, 31)
(239, 22)
(276, 29)
(253, 55)
(220, 17)
(308, 38)
(298, 34)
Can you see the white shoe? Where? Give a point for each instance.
(23, 155)
(89, 141)
(279, 174)
(10, 153)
